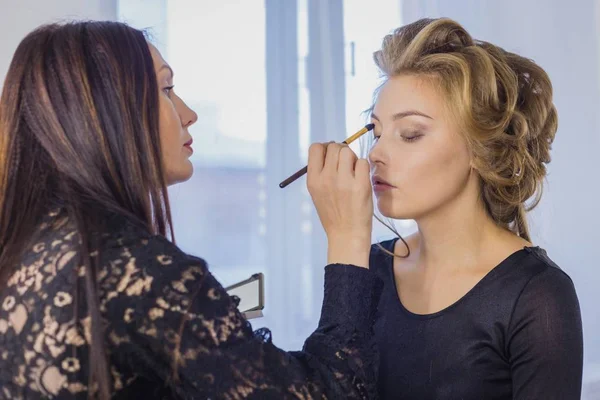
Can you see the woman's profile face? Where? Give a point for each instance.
(175, 118)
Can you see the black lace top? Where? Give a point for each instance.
(171, 329)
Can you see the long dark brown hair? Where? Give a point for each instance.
(79, 130)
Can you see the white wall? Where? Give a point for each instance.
(19, 17)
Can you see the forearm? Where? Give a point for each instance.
(349, 250)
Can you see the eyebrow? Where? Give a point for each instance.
(403, 114)
(165, 66)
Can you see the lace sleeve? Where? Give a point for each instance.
(186, 330)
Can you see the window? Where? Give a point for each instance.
(362, 38)
(266, 79)
(244, 84)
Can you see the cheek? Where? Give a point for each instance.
(169, 129)
(427, 177)
(442, 169)
(176, 163)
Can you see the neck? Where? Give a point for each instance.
(461, 233)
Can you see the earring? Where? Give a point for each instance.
(520, 170)
(518, 173)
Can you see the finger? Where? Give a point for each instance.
(362, 172)
(347, 161)
(316, 158)
(332, 157)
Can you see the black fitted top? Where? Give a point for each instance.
(516, 335)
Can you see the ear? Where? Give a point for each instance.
(472, 161)
(474, 170)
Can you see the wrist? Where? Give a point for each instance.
(353, 250)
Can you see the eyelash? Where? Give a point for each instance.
(414, 136)
(168, 90)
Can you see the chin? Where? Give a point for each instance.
(181, 174)
(386, 208)
(393, 211)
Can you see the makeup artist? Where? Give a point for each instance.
(95, 300)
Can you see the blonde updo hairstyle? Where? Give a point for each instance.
(502, 103)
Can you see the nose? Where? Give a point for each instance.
(187, 115)
(377, 153)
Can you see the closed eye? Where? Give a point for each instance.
(168, 90)
(407, 138)
(411, 137)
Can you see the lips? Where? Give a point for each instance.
(378, 180)
(188, 145)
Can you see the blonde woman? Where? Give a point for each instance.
(471, 309)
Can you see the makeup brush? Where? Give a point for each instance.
(304, 170)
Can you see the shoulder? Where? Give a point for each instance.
(120, 251)
(538, 269)
(132, 263)
(118, 237)
(546, 313)
(544, 286)
(380, 259)
(380, 251)
(145, 247)
(150, 255)
(127, 240)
